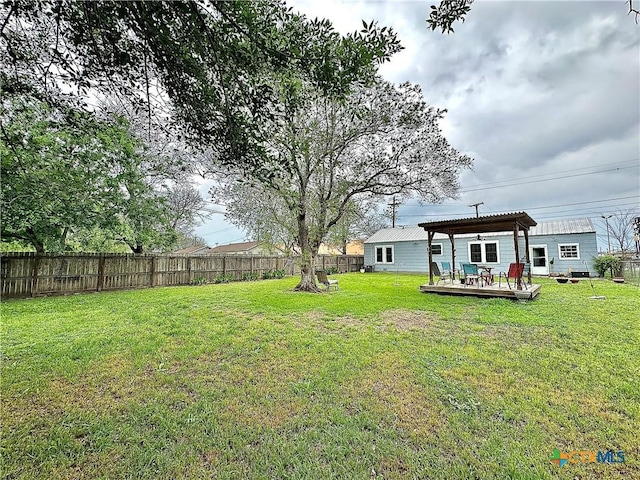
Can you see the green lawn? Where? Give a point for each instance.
(251, 380)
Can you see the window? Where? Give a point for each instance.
(491, 252)
(436, 249)
(384, 254)
(484, 252)
(476, 253)
(569, 250)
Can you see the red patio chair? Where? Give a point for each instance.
(515, 272)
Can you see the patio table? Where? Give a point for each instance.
(487, 276)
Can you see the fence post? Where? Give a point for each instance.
(188, 269)
(153, 271)
(34, 277)
(224, 265)
(100, 283)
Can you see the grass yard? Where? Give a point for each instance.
(251, 380)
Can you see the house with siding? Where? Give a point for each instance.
(556, 246)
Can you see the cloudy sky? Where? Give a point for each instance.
(545, 96)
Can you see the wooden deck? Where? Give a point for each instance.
(491, 291)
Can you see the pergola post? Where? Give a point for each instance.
(517, 250)
(526, 253)
(453, 258)
(429, 240)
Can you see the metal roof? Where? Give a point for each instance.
(400, 234)
(560, 227)
(415, 234)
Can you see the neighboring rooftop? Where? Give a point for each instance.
(235, 247)
(193, 250)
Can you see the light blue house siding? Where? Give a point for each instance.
(409, 253)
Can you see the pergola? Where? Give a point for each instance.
(506, 222)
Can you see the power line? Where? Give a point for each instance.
(547, 179)
(218, 231)
(555, 173)
(533, 208)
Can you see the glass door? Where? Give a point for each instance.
(539, 262)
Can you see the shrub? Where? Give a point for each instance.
(223, 279)
(199, 281)
(332, 270)
(250, 277)
(608, 262)
(269, 274)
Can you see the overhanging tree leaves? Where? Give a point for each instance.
(382, 140)
(448, 12)
(215, 62)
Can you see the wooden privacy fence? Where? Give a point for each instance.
(28, 274)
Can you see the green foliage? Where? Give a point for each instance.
(199, 281)
(271, 274)
(15, 246)
(216, 61)
(608, 263)
(57, 172)
(447, 13)
(226, 278)
(332, 270)
(73, 182)
(250, 276)
(207, 382)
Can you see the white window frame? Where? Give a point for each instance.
(576, 244)
(384, 254)
(483, 251)
(441, 249)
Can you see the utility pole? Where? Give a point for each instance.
(476, 205)
(393, 206)
(636, 236)
(606, 220)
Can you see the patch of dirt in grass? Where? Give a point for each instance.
(254, 393)
(326, 323)
(389, 389)
(103, 388)
(405, 320)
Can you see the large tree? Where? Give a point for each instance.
(68, 175)
(57, 171)
(382, 140)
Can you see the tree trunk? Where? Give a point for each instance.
(307, 274)
(137, 248)
(307, 256)
(35, 241)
